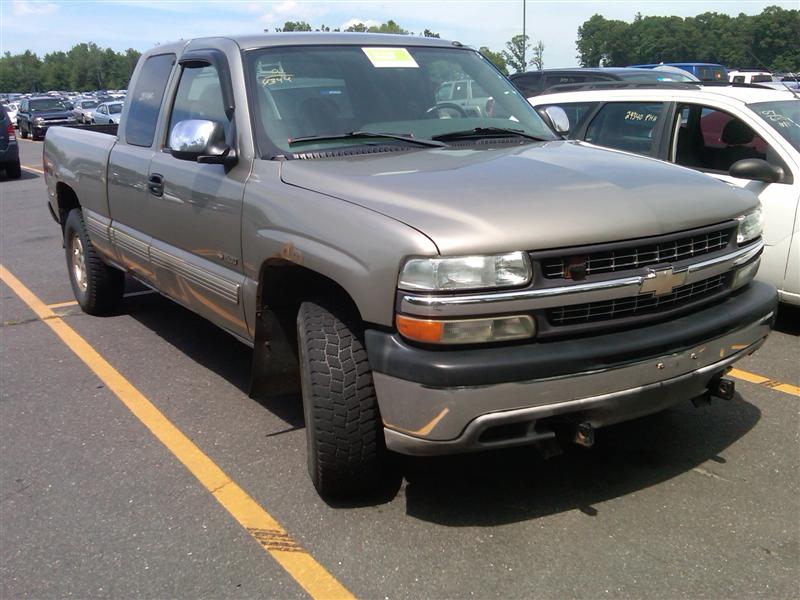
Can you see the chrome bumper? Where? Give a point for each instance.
(424, 420)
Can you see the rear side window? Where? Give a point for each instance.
(628, 126)
(145, 100)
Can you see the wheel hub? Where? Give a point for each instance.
(78, 263)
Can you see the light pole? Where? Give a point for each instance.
(524, 39)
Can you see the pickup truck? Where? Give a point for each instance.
(428, 282)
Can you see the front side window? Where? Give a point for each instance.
(576, 111)
(145, 100)
(710, 139)
(316, 91)
(628, 126)
(199, 96)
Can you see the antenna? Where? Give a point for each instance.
(766, 68)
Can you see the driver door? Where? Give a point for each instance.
(196, 246)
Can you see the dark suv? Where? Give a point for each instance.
(37, 114)
(9, 150)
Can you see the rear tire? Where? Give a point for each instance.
(97, 287)
(23, 133)
(344, 433)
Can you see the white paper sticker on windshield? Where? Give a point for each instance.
(390, 57)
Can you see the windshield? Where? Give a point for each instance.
(47, 104)
(783, 116)
(415, 91)
(88, 104)
(114, 109)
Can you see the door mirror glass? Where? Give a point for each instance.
(757, 170)
(194, 138)
(558, 117)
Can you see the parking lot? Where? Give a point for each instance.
(135, 464)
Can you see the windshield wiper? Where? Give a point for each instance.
(366, 134)
(484, 132)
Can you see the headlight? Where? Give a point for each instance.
(750, 226)
(465, 272)
(38, 120)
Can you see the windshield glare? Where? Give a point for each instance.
(47, 104)
(417, 91)
(114, 108)
(783, 116)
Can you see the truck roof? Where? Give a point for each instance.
(311, 38)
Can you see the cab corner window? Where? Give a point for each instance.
(629, 126)
(145, 101)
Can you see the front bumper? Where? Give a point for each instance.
(448, 401)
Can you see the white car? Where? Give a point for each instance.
(12, 108)
(107, 113)
(747, 137)
(84, 109)
(749, 76)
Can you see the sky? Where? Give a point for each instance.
(49, 25)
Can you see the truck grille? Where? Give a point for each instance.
(638, 305)
(625, 257)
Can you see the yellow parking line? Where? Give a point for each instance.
(786, 388)
(298, 563)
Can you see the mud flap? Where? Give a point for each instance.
(275, 371)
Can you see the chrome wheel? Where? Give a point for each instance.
(78, 263)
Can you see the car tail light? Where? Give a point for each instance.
(12, 137)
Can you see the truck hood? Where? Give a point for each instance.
(531, 197)
(52, 114)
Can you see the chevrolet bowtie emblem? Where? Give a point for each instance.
(661, 282)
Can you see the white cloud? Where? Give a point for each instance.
(367, 22)
(23, 8)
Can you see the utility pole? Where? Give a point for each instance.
(524, 39)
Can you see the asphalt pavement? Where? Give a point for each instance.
(690, 503)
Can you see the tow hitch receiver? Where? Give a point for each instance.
(718, 387)
(584, 435)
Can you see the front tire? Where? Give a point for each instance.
(97, 287)
(344, 433)
(23, 134)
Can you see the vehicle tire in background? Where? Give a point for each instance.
(23, 133)
(97, 287)
(13, 170)
(344, 433)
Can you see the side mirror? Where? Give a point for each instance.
(202, 141)
(558, 118)
(757, 170)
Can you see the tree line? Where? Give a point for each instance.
(770, 39)
(84, 67)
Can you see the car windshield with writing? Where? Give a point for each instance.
(322, 97)
(47, 105)
(783, 116)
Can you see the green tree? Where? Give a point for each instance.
(430, 34)
(516, 52)
(495, 58)
(537, 56)
(388, 27)
(294, 26)
(358, 28)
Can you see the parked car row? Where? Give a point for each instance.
(408, 244)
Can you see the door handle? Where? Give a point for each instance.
(155, 184)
